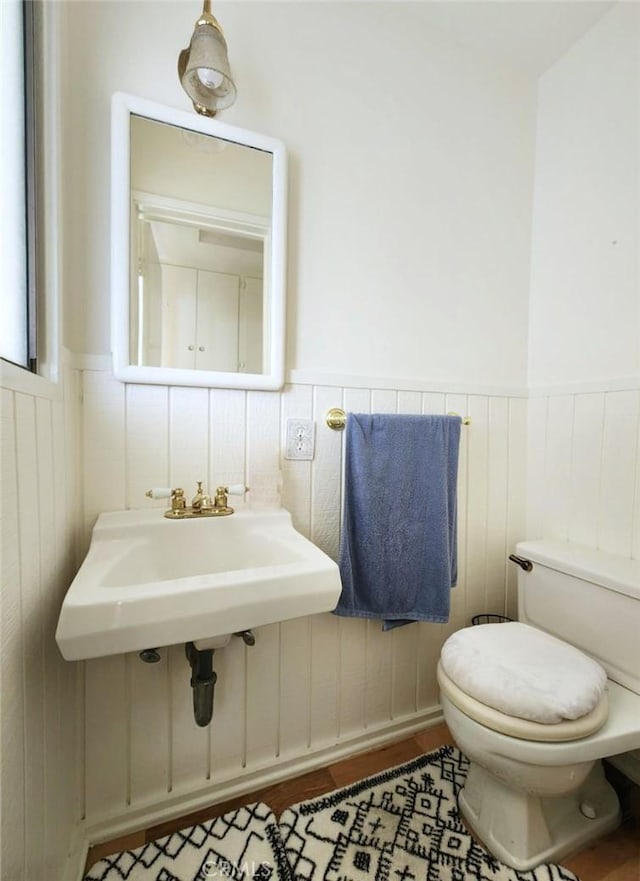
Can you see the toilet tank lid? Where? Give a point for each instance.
(611, 571)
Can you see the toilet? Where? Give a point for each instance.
(537, 704)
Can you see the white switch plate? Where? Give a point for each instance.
(300, 441)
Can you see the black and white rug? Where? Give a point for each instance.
(400, 825)
(243, 844)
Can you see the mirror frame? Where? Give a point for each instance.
(123, 106)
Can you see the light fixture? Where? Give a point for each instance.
(203, 68)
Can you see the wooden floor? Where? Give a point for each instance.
(613, 858)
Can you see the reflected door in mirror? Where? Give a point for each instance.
(200, 320)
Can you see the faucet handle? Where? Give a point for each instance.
(236, 489)
(220, 502)
(159, 492)
(178, 502)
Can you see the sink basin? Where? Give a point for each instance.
(148, 582)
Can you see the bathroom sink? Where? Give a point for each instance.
(148, 582)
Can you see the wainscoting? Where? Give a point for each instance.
(312, 687)
(312, 690)
(584, 468)
(40, 515)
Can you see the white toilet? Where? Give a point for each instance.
(536, 790)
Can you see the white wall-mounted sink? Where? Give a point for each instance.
(148, 582)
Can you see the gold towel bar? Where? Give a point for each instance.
(337, 418)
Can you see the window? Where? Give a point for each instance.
(19, 211)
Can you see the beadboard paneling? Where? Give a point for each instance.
(12, 655)
(150, 746)
(40, 519)
(310, 683)
(583, 470)
(516, 495)
(228, 736)
(618, 514)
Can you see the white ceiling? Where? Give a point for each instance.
(526, 36)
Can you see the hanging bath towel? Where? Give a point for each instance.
(398, 544)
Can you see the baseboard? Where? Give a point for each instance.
(77, 858)
(254, 778)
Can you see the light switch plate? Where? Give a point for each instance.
(300, 442)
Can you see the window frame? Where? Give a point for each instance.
(32, 176)
(43, 205)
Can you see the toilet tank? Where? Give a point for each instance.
(588, 598)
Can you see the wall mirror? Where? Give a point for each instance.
(198, 226)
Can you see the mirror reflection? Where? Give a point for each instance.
(199, 251)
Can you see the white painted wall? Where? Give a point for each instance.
(584, 441)
(585, 278)
(410, 196)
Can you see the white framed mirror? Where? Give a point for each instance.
(198, 250)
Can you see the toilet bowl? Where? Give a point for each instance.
(536, 791)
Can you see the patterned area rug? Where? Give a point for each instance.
(401, 825)
(243, 844)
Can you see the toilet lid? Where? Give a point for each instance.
(523, 672)
(522, 728)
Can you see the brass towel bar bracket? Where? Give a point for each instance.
(337, 418)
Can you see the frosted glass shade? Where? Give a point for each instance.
(204, 71)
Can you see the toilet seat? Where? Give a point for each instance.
(522, 728)
(522, 671)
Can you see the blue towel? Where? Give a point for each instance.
(398, 544)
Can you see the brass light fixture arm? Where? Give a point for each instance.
(206, 17)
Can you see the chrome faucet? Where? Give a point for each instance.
(202, 505)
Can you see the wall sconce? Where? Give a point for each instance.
(203, 68)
